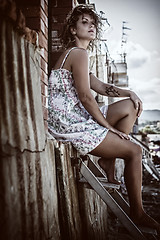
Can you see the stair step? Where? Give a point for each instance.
(96, 180)
(109, 200)
(103, 181)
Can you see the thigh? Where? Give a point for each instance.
(115, 147)
(119, 110)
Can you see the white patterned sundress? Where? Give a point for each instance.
(68, 119)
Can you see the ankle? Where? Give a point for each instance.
(137, 214)
(108, 168)
(101, 163)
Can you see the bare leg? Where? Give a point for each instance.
(137, 213)
(108, 165)
(132, 154)
(122, 116)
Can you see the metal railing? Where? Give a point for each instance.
(147, 158)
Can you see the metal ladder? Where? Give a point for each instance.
(92, 177)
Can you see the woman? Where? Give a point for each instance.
(75, 116)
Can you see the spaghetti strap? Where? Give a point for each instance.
(63, 62)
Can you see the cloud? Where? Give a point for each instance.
(148, 91)
(137, 55)
(143, 72)
(142, 48)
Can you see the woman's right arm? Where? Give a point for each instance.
(80, 70)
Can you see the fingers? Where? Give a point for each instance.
(138, 107)
(120, 134)
(123, 136)
(137, 103)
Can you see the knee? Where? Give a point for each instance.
(136, 152)
(131, 108)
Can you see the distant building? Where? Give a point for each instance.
(158, 124)
(117, 75)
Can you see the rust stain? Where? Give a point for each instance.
(22, 123)
(27, 193)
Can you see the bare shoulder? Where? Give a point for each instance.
(79, 58)
(79, 53)
(79, 50)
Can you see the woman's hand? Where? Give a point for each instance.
(120, 134)
(137, 103)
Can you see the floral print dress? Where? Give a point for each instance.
(68, 119)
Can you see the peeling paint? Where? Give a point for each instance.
(20, 93)
(28, 187)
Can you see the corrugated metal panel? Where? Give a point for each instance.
(68, 194)
(29, 196)
(95, 215)
(28, 189)
(22, 122)
(119, 74)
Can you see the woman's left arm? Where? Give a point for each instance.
(110, 90)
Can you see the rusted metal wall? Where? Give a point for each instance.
(28, 189)
(40, 197)
(94, 214)
(69, 211)
(83, 215)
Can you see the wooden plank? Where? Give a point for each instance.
(112, 204)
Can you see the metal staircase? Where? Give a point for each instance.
(92, 177)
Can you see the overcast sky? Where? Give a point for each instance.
(143, 43)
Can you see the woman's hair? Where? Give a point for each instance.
(67, 38)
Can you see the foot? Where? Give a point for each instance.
(146, 221)
(108, 166)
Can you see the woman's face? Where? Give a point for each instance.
(85, 28)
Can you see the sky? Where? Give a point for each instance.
(143, 43)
